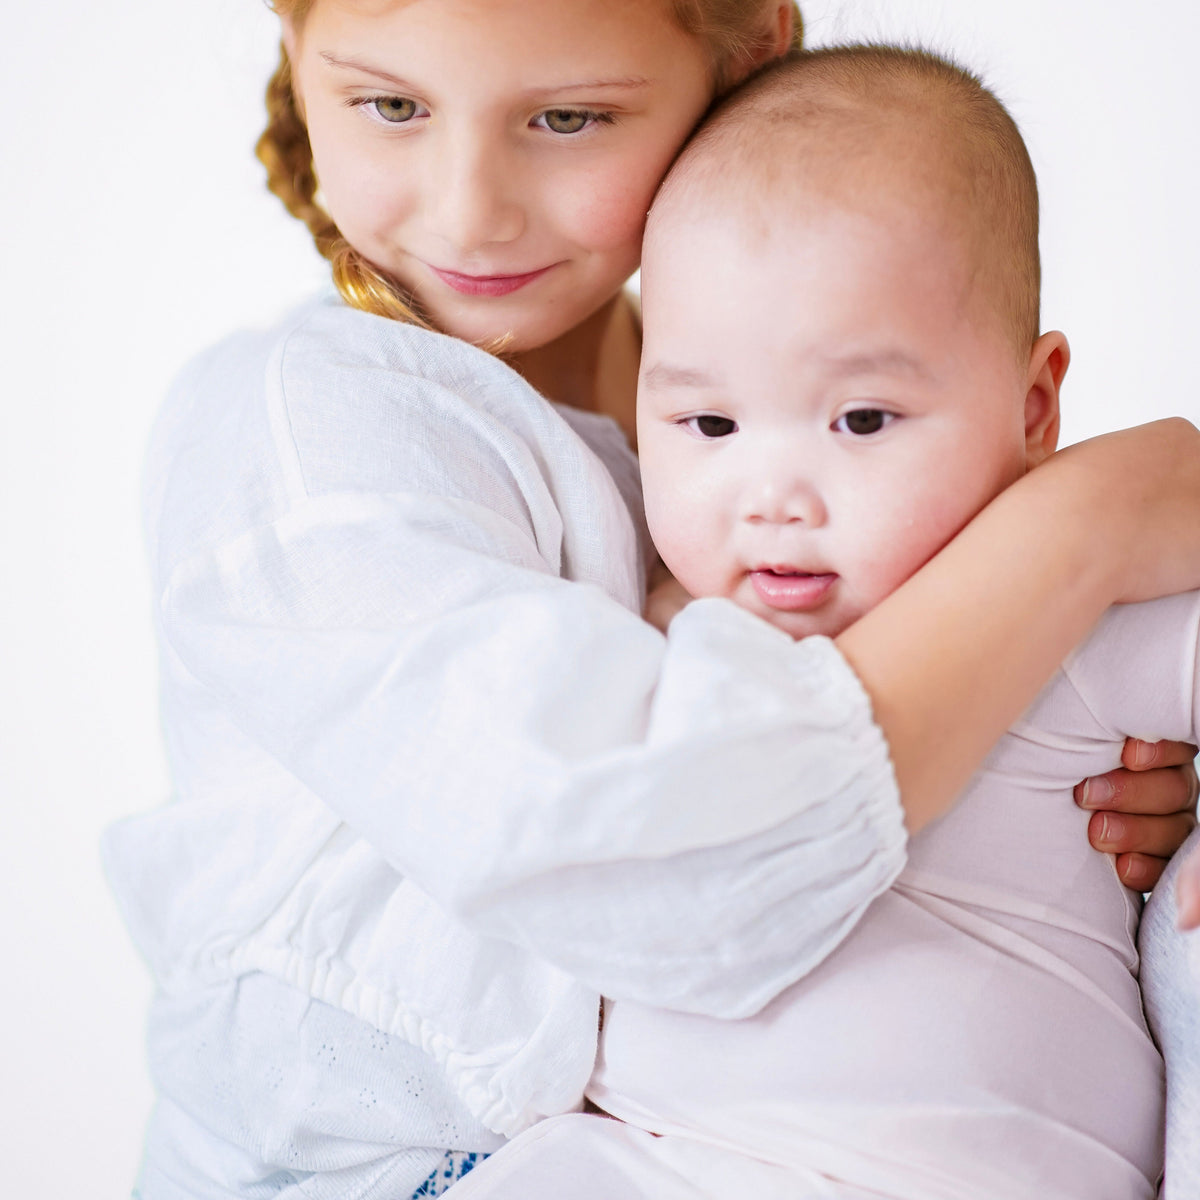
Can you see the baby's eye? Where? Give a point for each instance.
(394, 110)
(709, 425)
(572, 120)
(863, 421)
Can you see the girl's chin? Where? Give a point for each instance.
(509, 330)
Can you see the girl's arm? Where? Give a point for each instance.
(1142, 812)
(383, 637)
(373, 663)
(957, 652)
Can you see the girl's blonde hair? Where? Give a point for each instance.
(732, 29)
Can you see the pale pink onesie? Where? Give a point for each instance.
(978, 1036)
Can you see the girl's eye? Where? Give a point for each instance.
(709, 425)
(567, 121)
(395, 110)
(863, 421)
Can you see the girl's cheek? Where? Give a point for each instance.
(610, 224)
(611, 211)
(359, 180)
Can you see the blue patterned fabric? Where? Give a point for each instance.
(453, 1167)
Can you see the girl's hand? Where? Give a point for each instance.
(1144, 811)
(665, 598)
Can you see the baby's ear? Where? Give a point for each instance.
(1047, 366)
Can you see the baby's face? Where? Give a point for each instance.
(821, 407)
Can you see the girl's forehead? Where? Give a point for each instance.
(479, 43)
(487, 13)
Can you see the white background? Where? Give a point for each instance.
(134, 229)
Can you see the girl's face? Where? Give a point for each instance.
(497, 157)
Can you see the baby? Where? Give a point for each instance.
(842, 365)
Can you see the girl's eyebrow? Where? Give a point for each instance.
(625, 83)
(356, 64)
(591, 85)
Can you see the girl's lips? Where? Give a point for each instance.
(486, 285)
(791, 592)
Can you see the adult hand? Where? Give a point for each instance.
(1144, 811)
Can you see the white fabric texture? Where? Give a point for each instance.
(264, 1092)
(431, 767)
(1171, 990)
(980, 1033)
(587, 1157)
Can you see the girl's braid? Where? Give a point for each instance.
(285, 151)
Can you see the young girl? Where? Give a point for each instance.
(438, 785)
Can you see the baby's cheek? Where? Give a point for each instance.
(913, 539)
(690, 556)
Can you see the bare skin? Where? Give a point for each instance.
(1143, 811)
(932, 768)
(1187, 893)
(593, 366)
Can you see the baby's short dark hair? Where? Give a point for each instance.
(862, 118)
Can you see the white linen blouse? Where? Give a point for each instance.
(430, 765)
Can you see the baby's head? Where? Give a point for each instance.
(841, 362)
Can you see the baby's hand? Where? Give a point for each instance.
(665, 598)
(1187, 891)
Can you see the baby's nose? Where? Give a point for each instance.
(784, 498)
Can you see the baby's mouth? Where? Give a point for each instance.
(788, 590)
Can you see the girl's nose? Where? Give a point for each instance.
(474, 196)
